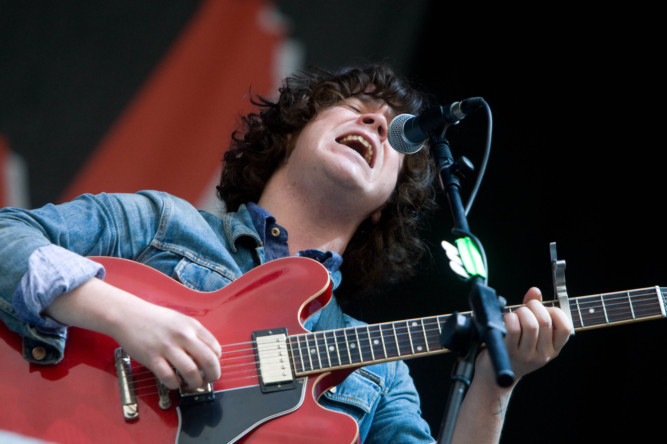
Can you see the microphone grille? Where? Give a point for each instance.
(396, 136)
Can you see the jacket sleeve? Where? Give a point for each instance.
(42, 256)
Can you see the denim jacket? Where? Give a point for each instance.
(202, 251)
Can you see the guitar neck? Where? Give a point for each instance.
(371, 344)
(602, 310)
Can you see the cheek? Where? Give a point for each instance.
(390, 178)
(401, 161)
(396, 165)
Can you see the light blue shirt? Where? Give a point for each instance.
(200, 250)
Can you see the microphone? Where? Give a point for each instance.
(407, 133)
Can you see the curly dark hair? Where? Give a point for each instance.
(378, 254)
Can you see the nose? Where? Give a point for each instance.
(378, 122)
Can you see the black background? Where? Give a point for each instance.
(576, 99)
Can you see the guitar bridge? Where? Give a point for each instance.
(273, 361)
(126, 384)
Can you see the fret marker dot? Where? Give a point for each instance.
(591, 310)
(376, 342)
(414, 324)
(419, 348)
(331, 348)
(312, 351)
(353, 345)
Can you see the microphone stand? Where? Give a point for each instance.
(461, 334)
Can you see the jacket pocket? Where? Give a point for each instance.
(199, 277)
(357, 395)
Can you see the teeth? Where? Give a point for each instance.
(368, 152)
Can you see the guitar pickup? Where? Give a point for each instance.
(204, 393)
(273, 360)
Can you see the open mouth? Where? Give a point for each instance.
(360, 145)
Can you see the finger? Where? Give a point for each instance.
(562, 327)
(208, 362)
(529, 330)
(186, 368)
(533, 293)
(513, 327)
(165, 373)
(545, 339)
(210, 340)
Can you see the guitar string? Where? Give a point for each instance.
(400, 325)
(609, 305)
(402, 332)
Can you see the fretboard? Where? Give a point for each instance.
(371, 344)
(621, 307)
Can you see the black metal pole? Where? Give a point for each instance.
(487, 325)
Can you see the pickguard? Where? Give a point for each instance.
(233, 413)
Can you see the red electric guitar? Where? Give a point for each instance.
(273, 369)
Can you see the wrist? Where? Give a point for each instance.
(94, 305)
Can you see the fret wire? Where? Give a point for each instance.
(641, 304)
(317, 351)
(335, 341)
(620, 311)
(622, 307)
(617, 307)
(326, 350)
(360, 346)
(424, 333)
(388, 343)
(415, 336)
(370, 342)
(304, 358)
(322, 350)
(309, 353)
(429, 326)
(296, 338)
(333, 346)
(366, 335)
(398, 346)
(604, 309)
(341, 341)
(435, 332)
(384, 347)
(340, 359)
(404, 336)
(347, 346)
(581, 319)
(407, 327)
(632, 308)
(587, 310)
(312, 352)
(292, 351)
(373, 332)
(353, 346)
